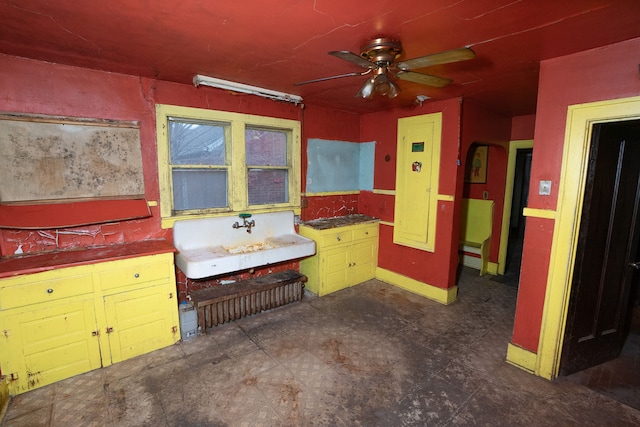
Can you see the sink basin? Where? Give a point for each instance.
(212, 246)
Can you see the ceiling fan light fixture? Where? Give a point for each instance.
(383, 85)
(367, 90)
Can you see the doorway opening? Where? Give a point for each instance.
(601, 343)
(517, 221)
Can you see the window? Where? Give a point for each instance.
(213, 162)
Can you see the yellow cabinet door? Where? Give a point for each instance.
(49, 343)
(334, 263)
(363, 261)
(140, 321)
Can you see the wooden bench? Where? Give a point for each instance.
(476, 222)
(230, 302)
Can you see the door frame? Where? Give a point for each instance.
(575, 158)
(514, 146)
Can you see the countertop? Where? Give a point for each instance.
(36, 263)
(338, 221)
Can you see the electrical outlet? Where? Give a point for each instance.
(545, 188)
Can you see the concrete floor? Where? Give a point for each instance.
(371, 355)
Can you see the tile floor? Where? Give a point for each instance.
(371, 355)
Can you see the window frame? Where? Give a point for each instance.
(235, 159)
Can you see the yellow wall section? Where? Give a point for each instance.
(417, 190)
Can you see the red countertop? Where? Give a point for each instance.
(27, 264)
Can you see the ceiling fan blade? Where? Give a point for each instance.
(352, 57)
(423, 79)
(446, 57)
(322, 79)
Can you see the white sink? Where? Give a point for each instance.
(211, 246)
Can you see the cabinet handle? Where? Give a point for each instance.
(136, 275)
(50, 291)
(366, 232)
(338, 238)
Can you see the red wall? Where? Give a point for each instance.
(481, 126)
(606, 73)
(35, 87)
(522, 127)
(435, 268)
(332, 125)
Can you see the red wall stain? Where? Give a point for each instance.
(329, 206)
(186, 285)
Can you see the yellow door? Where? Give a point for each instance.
(49, 343)
(140, 321)
(417, 171)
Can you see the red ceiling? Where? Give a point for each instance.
(274, 44)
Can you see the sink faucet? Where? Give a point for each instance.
(245, 224)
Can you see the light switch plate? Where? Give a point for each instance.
(545, 188)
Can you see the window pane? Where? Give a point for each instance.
(199, 189)
(196, 143)
(268, 186)
(265, 147)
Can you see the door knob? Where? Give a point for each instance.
(635, 265)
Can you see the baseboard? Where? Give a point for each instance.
(4, 397)
(443, 296)
(471, 261)
(521, 358)
(492, 268)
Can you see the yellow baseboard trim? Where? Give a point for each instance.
(443, 296)
(521, 358)
(4, 397)
(492, 268)
(539, 213)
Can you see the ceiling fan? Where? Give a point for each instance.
(378, 57)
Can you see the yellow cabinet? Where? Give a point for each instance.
(346, 253)
(138, 322)
(59, 323)
(45, 343)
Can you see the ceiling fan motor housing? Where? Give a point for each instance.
(382, 51)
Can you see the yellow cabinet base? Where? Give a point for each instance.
(59, 323)
(345, 255)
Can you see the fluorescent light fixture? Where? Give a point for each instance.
(243, 88)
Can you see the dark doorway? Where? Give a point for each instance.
(604, 293)
(517, 223)
(517, 219)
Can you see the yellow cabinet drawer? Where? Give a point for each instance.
(132, 274)
(365, 232)
(335, 237)
(48, 289)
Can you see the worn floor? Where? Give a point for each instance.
(371, 355)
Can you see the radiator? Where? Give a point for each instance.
(222, 304)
